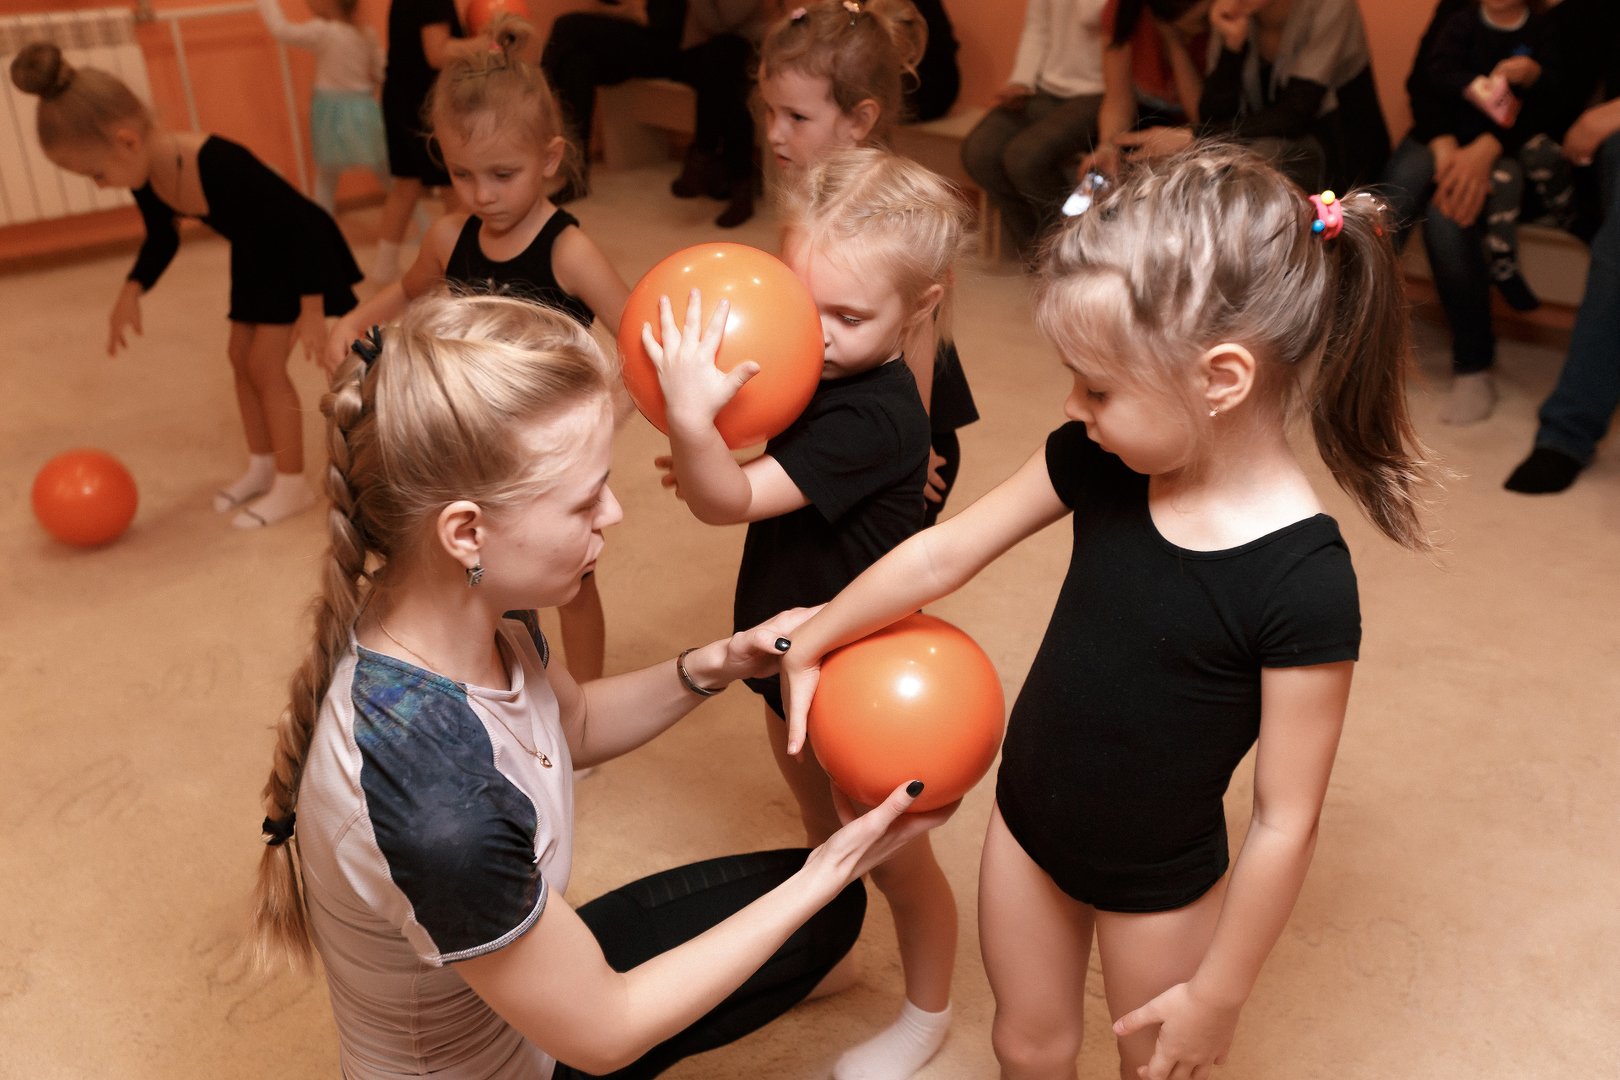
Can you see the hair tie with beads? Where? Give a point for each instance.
(368, 347)
(1329, 215)
(278, 831)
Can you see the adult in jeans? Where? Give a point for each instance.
(1582, 405)
(1022, 153)
(706, 44)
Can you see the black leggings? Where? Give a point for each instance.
(640, 920)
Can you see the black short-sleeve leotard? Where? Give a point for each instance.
(859, 453)
(283, 246)
(528, 274)
(1145, 693)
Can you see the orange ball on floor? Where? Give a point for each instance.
(84, 497)
(918, 700)
(773, 322)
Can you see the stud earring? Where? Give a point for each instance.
(1214, 412)
(475, 574)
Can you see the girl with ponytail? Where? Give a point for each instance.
(1209, 604)
(419, 810)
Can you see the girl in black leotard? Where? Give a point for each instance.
(290, 266)
(501, 138)
(1209, 601)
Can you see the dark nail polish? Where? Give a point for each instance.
(914, 788)
(782, 644)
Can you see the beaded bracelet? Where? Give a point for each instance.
(686, 676)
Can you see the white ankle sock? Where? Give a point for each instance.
(899, 1050)
(287, 496)
(385, 263)
(261, 471)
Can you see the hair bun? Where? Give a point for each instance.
(40, 68)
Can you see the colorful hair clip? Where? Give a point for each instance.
(1329, 215)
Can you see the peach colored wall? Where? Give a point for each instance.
(239, 93)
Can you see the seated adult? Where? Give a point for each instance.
(1152, 79)
(1578, 412)
(1441, 175)
(1022, 154)
(706, 44)
(423, 766)
(1294, 80)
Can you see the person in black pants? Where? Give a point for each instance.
(706, 44)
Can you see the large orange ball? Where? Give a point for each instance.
(480, 13)
(918, 700)
(773, 321)
(84, 497)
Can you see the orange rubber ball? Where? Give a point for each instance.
(773, 322)
(918, 700)
(480, 13)
(84, 497)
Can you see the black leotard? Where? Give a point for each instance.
(1145, 693)
(527, 274)
(283, 246)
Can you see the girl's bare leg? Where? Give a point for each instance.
(1145, 955)
(277, 400)
(1036, 941)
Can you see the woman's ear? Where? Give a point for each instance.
(553, 158)
(459, 531)
(862, 119)
(1227, 371)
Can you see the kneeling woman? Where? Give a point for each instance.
(428, 746)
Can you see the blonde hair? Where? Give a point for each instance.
(434, 418)
(1215, 245)
(889, 213)
(862, 54)
(497, 87)
(76, 105)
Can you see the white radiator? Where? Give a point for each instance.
(31, 188)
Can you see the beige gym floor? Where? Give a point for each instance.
(1461, 919)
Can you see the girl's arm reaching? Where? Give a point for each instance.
(933, 564)
(1301, 714)
(304, 35)
(554, 985)
(718, 489)
(611, 716)
(583, 271)
(426, 272)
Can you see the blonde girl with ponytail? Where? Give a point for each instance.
(419, 813)
(1210, 602)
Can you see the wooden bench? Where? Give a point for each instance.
(639, 119)
(1554, 264)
